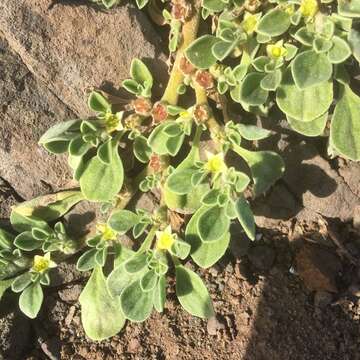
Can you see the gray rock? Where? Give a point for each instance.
(74, 48)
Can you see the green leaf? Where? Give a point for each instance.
(25, 241)
(21, 282)
(192, 293)
(180, 249)
(213, 224)
(98, 103)
(314, 127)
(78, 147)
(179, 182)
(160, 294)
(142, 150)
(266, 167)
(49, 207)
(140, 73)
(349, 8)
(31, 299)
(148, 280)
(200, 54)
(119, 279)
(136, 304)
(102, 182)
(310, 68)
(205, 254)
(137, 263)
(4, 285)
(271, 81)
(252, 132)
(303, 105)
(87, 260)
(340, 50)
(249, 90)
(274, 23)
(105, 151)
(245, 216)
(345, 125)
(354, 41)
(190, 202)
(23, 223)
(6, 239)
(57, 138)
(158, 139)
(123, 220)
(100, 313)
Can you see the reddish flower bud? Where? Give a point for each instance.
(142, 106)
(185, 66)
(155, 162)
(201, 113)
(159, 112)
(204, 79)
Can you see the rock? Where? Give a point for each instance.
(74, 48)
(318, 268)
(311, 178)
(27, 110)
(70, 294)
(262, 257)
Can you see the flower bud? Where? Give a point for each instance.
(159, 112)
(181, 10)
(201, 113)
(185, 66)
(155, 162)
(142, 106)
(204, 79)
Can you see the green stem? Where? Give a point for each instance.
(189, 33)
(149, 239)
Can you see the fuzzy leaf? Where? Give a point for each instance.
(102, 182)
(251, 132)
(205, 254)
(98, 103)
(340, 51)
(245, 217)
(160, 294)
(310, 128)
(349, 8)
(136, 304)
(249, 91)
(345, 125)
(142, 150)
(303, 105)
(100, 313)
(192, 293)
(49, 207)
(25, 241)
(274, 23)
(31, 299)
(123, 220)
(200, 54)
(140, 73)
(213, 224)
(4, 285)
(179, 182)
(310, 68)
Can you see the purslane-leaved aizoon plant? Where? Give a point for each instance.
(293, 55)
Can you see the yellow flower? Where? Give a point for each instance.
(106, 232)
(113, 121)
(250, 23)
(215, 163)
(309, 8)
(276, 51)
(165, 239)
(42, 263)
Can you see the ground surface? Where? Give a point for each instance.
(292, 294)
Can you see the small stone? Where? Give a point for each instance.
(262, 257)
(70, 294)
(213, 325)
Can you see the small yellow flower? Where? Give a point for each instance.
(185, 114)
(309, 8)
(215, 163)
(165, 239)
(42, 263)
(106, 232)
(290, 9)
(276, 51)
(250, 23)
(113, 121)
